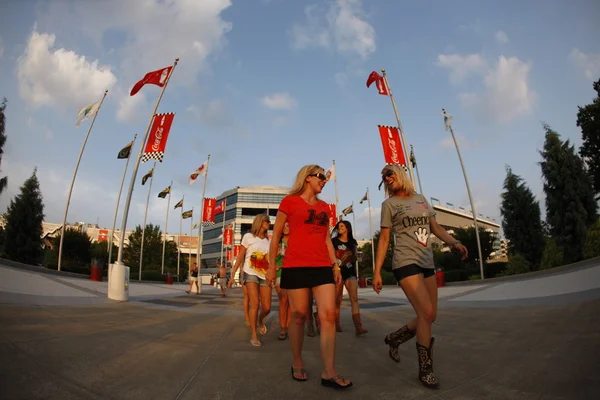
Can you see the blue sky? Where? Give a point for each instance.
(268, 86)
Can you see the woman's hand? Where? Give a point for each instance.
(337, 276)
(377, 283)
(231, 282)
(271, 277)
(461, 250)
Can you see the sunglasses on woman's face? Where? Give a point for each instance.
(320, 175)
(387, 174)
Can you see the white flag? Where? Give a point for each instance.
(87, 112)
(447, 120)
(201, 170)
(330, 173)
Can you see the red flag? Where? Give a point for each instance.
(158, 77)
(102, 235)
(157, 140)
(208, 213)
(379, 81)
(228, 255)
(228, 237)
(332, 215)
(392, 146)
(220, 207)
(236, 250)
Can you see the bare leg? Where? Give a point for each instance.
(325, 296)
(352, 287)
(284, 314)
(253, 312)
(339, 289)
(309, 319)
(299, 306)
(265, 303)
(246, 303)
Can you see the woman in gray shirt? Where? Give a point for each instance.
(407, 215)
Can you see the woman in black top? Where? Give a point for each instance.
(345, 247)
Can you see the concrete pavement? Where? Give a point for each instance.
(60, 338)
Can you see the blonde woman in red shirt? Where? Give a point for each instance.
(309, 265)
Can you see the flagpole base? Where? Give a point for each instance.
(118, 282)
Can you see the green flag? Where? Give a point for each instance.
(164, 193)
(125, 151)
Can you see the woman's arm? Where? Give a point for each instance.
(444, 236)
(240, 259)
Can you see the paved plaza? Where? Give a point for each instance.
(529, 337)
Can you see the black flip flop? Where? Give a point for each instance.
(331, 382)
(298, 371)
(282, 336)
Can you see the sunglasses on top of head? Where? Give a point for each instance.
(320, 175)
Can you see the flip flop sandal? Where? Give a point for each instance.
(262, 329)
(332, 382)
(299, 371)
(255, 343)
(282, 336)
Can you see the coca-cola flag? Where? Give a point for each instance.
(392, 146)
(158, 77)
(236, 250)
(332, 215)
(102, 235)
(157, 140)
(379, 82)
(208, 211)
(228, 237)
(228, 255)
(220, 207)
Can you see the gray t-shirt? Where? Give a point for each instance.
(408, 219)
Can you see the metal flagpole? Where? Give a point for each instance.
(337, 207)
(201, 229)
(112, 232)
(162, 267)
(223, 231)
(179, 237)
(354, 228)
(144, 226)
(387, 84)
(371, 230)
(449, 127)
(119, 290)
(191, 227)
(412, 153)
(87, 135)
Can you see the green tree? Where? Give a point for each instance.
(588, 119)
(77, 249)
(152, 250)
(570, 203)
(521, 220)
(553, 255)
(4, 180)
(23, 242)
(469, 240)
(365, 266)
(591, 246)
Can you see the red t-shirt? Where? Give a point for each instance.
(309, 227)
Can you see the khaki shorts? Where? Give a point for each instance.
(193, 279)
(223, 282)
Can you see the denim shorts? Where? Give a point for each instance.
(256, 279)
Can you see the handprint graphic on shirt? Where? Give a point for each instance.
(422, 236)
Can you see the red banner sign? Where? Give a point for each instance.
(229, 255)
(228, 237)
(157, 140)
(236, 250)
(220, 207)
(102, 235)
(332, 215)
(392, 146)
(208, 213)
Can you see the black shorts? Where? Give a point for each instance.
(412, 269)
(306, 277)
(348, 273)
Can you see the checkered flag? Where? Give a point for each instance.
(153, 155)
(208, 224)
(157, 141)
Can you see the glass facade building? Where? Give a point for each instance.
(243, 204)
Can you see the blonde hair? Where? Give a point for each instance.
(257, 224)
(301, 176)
(404, 181)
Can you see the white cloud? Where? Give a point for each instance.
(59, 77)
(279, 101)
(154, 33)
(448, 142)
(461, 66)
(344, 27)
(215, 113)
(501, 37)
(129, 106)
(506, 95)
(589, 63)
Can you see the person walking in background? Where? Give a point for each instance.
(284, 305)
(407, 215)
(254, 251)
(309, 265)
(223, 278)
(345, 250)
(193, 274)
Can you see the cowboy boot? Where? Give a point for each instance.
(426, 374)
(395, 339)
(358, 324)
